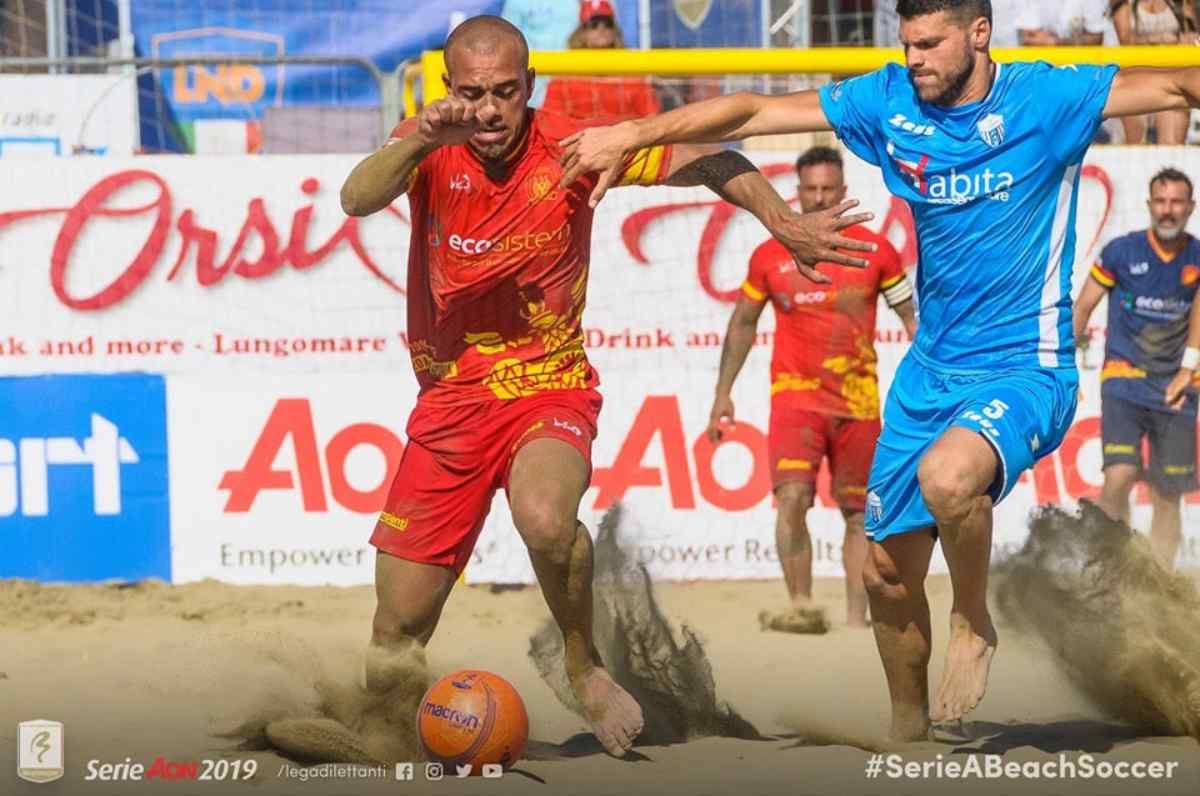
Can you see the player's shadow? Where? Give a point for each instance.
(1072, 735)
(582, 744)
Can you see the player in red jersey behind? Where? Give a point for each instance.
(497, 279)
(824, 390)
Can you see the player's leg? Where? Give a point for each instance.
(1171, 127)
(1001, 427)
(895, 573)
(850, 454)
(1121, 436)
(898, 526)
(854, 560)
(549, 473)
(409, 599)
(796, 443)
(431, 519)
(792, 541)
(955, 476)
(1172, 473)
(1166, 528)
(1135, 129)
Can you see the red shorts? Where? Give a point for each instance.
(456, 459)
(799, 439)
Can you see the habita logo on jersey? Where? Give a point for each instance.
(955, 187)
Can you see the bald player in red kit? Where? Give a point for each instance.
(497, 281)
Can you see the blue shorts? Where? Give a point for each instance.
(1024, 414)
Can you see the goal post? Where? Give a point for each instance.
(817, 60)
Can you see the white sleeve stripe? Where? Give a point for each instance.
(899, 293)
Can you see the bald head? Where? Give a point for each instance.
(487, 65)
(487, 36)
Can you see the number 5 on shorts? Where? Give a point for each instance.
(995, 410)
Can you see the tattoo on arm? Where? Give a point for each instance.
(713, 171)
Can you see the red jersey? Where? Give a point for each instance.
(498, 266)
(610, 99)
(824, 357)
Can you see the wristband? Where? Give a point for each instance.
(1191, 358)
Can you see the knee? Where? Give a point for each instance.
(793, 500)
(547, 531)
(947, 486)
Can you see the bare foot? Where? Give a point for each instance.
(807, 619)
(615, 716)
(964, 680)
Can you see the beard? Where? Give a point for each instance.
(1165, 233)
(952, 87)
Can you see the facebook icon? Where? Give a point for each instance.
(83, 478)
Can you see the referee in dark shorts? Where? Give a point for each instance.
(1152, 352)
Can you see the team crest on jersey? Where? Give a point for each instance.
(991, 129)
(1189, 276)
(540, 186)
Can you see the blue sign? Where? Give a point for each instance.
(382, 31)
(83, 478)
(706, 23)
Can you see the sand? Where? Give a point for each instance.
(155, 670)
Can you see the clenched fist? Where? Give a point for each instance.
(451, 121)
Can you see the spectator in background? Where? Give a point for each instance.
(1004, 23)
(611, 98)
(1155, 22)
(1080, 22)
(547, 24)
(1151, 355)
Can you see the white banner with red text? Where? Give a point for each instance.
(278, 325)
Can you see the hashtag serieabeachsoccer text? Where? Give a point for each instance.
(983, 766)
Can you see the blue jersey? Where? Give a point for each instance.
(993, 188)
(1149, 305)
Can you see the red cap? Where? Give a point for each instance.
(595, 8)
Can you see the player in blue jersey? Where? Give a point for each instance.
(988, 156)
(1151, 353)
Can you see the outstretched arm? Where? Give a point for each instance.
(728, 118)
(1189, 364)
(1147, 90)
(739, 339)
(734, 178)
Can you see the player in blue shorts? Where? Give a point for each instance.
(1151, 354)
(988, 157)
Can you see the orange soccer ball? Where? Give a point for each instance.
(473, 717)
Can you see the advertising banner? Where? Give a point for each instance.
(48, 115)
(83, 477)
(278, 325)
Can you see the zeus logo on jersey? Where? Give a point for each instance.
(83, 477)
(901, 121)
(104, 451)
